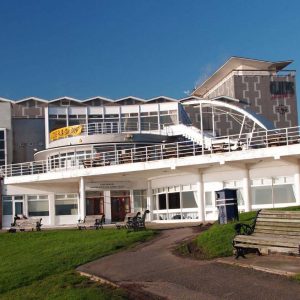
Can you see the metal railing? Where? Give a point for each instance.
(118, 127)
(218, 145)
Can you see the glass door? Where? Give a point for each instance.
(18, 208)
(94, 203)
(120, 205)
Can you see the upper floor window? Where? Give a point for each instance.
(282, 89)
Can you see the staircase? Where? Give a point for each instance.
(190, 132)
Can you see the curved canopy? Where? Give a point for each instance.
(240, 115)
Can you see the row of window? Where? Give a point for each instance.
(2, 147)
(38, 205)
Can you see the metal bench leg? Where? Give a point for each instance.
(239, 252)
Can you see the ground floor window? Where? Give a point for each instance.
(272, 191)
(140, 200)
(66, 204)
(38, 205)
(175, 202)
(7, 207)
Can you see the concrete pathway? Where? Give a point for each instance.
(152, 269)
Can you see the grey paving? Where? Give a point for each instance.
(152, 268)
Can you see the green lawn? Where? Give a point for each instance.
(216, 241)
(40, 265)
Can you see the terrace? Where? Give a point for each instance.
(218, 149)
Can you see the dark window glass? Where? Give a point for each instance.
(174, 200)
(2, 156)
(1, 145)
(1, 135)
(162, 201)
(282, 88)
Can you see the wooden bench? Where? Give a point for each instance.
(272, 231)
(92, 221)
(22, 223)
(128, 220)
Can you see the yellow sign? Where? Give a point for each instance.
(65, 132)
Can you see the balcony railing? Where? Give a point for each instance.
(218, 145)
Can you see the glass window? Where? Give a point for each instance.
(208, 199)
(162, 201)
(140, 200)
(174, 200)
(261, 195)
(7, 208)
(283, 193)
(38, 208)
(66, 205)
(189, 199)
(240, 197)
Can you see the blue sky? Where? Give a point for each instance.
(143, 48)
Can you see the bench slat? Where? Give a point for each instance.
(280, 227)
(259, 219)
(267, 241)
(285, 250)
(278, 212)
(276, 232)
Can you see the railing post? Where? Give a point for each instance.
(286, 136)
(194, 150)
(146, 153)
(267, 142)
(228, 142)
(177, 149)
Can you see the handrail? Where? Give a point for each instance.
(244, 142)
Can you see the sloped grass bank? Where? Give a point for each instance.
(40, 265)
(217, 240)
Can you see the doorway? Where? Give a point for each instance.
(120, 205)
(94, 203)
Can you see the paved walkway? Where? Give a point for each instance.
(152, 268)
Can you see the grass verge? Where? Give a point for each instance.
(40, 265)
(216, 241)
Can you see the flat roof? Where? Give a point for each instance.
(233, 63)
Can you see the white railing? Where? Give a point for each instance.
(243, 142)
(118, 127)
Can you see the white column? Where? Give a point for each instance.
(201, 199)
(149, 200)
(297, 185)
(47, 127)
(107, 207)
(246, 191)
(51, 209)
(82, 203)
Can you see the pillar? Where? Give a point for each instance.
(149, 200)
(51, 198)
(297, 184)
(107, 206)
(201, 200)
(247, 191)
(82, 203)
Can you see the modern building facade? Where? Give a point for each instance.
(66, 158)
(264, 87)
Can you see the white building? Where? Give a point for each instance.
(112, 157)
